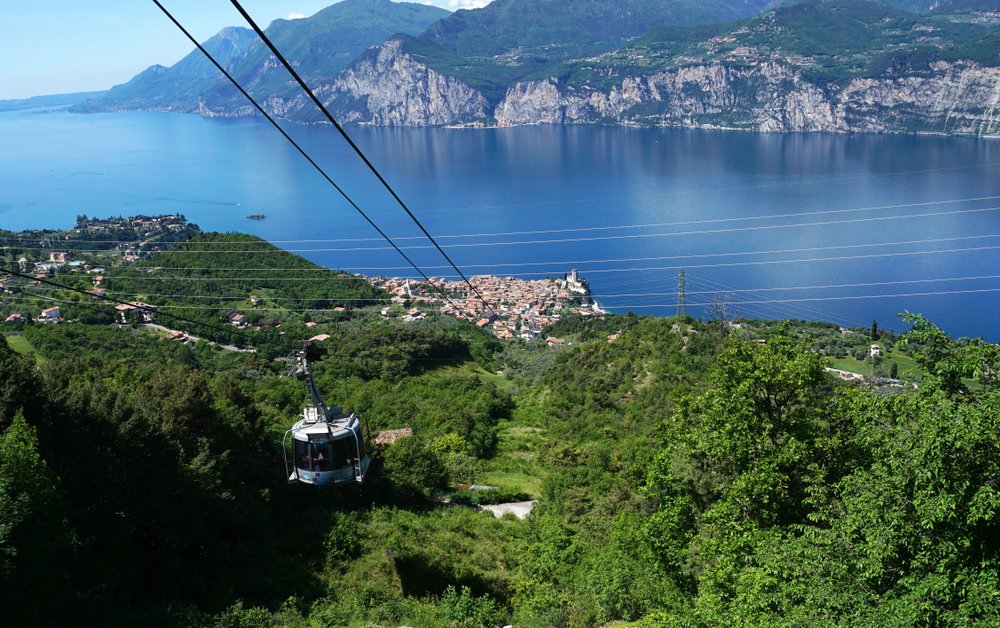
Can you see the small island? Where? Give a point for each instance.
(256, 217)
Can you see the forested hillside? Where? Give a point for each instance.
(684, 476)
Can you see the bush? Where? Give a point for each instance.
(466, 610)
(488, 497)
(414, 471)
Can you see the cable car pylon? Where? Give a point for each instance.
(325, 447)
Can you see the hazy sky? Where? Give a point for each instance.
(59, 46)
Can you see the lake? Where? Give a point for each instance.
(831, 227)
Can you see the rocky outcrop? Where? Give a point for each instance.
(948, 98)
(771, 97)
(388, 87)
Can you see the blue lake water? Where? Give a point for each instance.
(832, 227)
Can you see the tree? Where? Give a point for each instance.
(894, 371)
(32, 531)
(874, 331)
(741, 452)
(948, 361)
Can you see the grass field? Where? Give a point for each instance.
(907, 366)
(471, 368)
(514, 481)
(21, 345)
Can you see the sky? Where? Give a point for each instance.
(62, 46)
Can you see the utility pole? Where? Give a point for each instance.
(681, 296)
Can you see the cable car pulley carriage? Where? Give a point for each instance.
(325, 447)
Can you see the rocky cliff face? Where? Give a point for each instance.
(772, 97)
(389, 88)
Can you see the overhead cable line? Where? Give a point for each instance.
(636, 236)
(112, 300)
(721, 288)
(836, 298)
(578, 201)
(648, 225)
(782, 184)
(647, 305)
(811, 287)
(553, 272)
(795, 310)
(708, 283)
(326, 112)
(492, 265)
(295, 144)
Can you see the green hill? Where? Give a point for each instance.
(685, 472)
(511, 40)
(828, 40)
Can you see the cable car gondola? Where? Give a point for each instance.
(326, 447)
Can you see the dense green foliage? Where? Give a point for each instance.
(830, 41)
(512, 40)
(211, 275)
(685, 476)
(593, 43)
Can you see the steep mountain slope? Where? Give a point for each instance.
(321, 46)
(178, 87)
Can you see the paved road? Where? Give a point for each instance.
(519, 509)
(232, 348)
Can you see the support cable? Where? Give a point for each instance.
(326, 112)
(295, 144)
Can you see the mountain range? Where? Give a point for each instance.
(813, 65)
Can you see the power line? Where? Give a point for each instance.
(722, 189)
(494, 265)
(681, 296)
(837, 298)
(288, 137)
(646, 305)
(551, 273)
(583, 229)
(606, 199)
(655, 258)
(110, 299)
(795, 310)
(668, 234)
(721, 288)
(288, 66)
(771, 262)
(810, 287)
